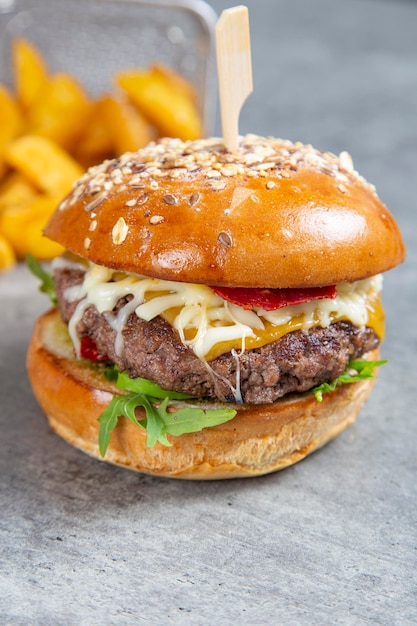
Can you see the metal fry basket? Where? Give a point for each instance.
(92, 39)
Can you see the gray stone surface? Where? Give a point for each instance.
(331, 540)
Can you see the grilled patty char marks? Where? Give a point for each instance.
(296, 362)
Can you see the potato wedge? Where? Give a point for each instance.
(22, 226)
(15, 190)
(61, 111)
(127, 127)
(37, 244)
(44, 163)
(10, 117)
(165, 106)
(96, 143)
(10, 123)
(13, 222)
(178, 82)
(51, 131)
(29, 71)
(7, 255)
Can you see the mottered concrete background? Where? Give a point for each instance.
(331, 540)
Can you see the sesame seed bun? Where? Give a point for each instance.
(273, 214)
(259, 440)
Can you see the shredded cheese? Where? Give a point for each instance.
(207, 323)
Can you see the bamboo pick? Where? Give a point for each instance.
(234, 70)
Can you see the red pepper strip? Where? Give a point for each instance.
(88, 350)
(271, 299)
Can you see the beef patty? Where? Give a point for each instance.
(296, 362)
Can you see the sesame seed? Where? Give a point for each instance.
(93, 225)
(157, 219)
(230, 169)
(342, 188)
(194, 198)
(225, 239)
(96, 201)
(119, 231)
(265, 166)
(173, 160)
(170, 199)
(78, 193)
(136, 181)
(87, 243)
(213, 174)
(144, 233)
(131, 202)
(218, 185)
(270, 184)
(137, 168)
(142, 198)
(346, 161)
(116, 173)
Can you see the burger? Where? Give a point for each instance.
(216, 314)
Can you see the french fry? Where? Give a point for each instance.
(167, 108)
(7, 254)
(29, 71)
(22, 226)
(44, 163)
(127, 127)
(61, 111)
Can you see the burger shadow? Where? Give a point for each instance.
(47, 474)
(68, 483)
(81, 487)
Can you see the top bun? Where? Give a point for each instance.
(272, 214)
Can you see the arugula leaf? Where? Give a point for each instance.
(161, 418)
(47, 285)
(356, 370)
(148, 387)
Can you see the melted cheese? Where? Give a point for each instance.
(210, 325)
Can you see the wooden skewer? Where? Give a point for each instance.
(234, 70)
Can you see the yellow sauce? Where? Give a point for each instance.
(272, 332)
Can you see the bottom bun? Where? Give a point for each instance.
(259, 440)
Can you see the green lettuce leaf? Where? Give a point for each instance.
(356, 370)
(47, 284)
(162, 416)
